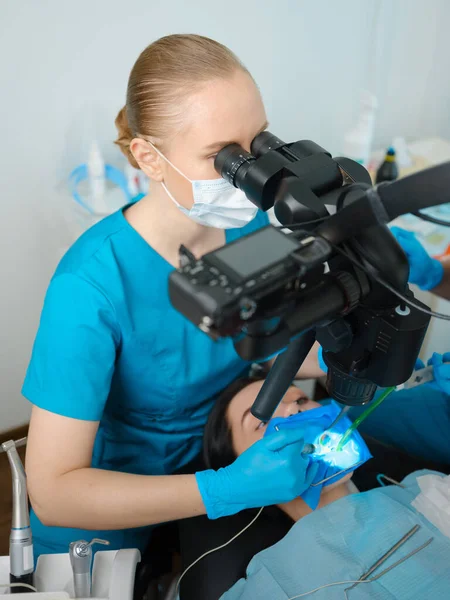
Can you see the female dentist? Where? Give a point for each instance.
(121, 384)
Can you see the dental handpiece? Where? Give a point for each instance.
(81, 560)
(20, 541)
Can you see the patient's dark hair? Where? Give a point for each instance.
(217, 440)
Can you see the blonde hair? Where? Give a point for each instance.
(163, 76)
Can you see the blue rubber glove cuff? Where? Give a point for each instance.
(322, 363)
(433, 277)
(215, 490)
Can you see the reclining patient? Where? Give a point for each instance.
(231, 429)
(345, 534)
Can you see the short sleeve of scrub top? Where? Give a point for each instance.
(75, 350)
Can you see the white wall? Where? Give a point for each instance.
(63, 73)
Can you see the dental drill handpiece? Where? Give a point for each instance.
(20, 541)
(81, 560)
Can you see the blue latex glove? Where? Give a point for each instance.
(271, 471)
(425, 271)
(441, 364)
(312, 424)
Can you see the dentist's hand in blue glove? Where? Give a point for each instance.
(271, 471)
(441, 370)
(425, 271)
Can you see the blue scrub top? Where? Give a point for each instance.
(111, 348)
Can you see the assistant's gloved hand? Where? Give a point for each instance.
(270, 472)
(425, 271)
(441, 370)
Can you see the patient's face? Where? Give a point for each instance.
(247, 429)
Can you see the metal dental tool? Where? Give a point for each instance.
(385, 556)
(20, 541)
(81, 560)
(419, 377)
(343, 412)
(322, 481)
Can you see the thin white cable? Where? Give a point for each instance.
(17, 585)
(218, 548)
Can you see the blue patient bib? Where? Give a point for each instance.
(341, 541)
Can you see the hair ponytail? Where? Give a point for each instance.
(125, 136)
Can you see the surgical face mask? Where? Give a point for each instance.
(217, 203)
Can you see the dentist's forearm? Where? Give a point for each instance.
(95, 499)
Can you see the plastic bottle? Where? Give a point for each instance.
(388, 171)
(358, 141)
(97, 180)
(402, 153)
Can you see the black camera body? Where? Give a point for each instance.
(270, 290)
(266, 288)
(238, 282)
